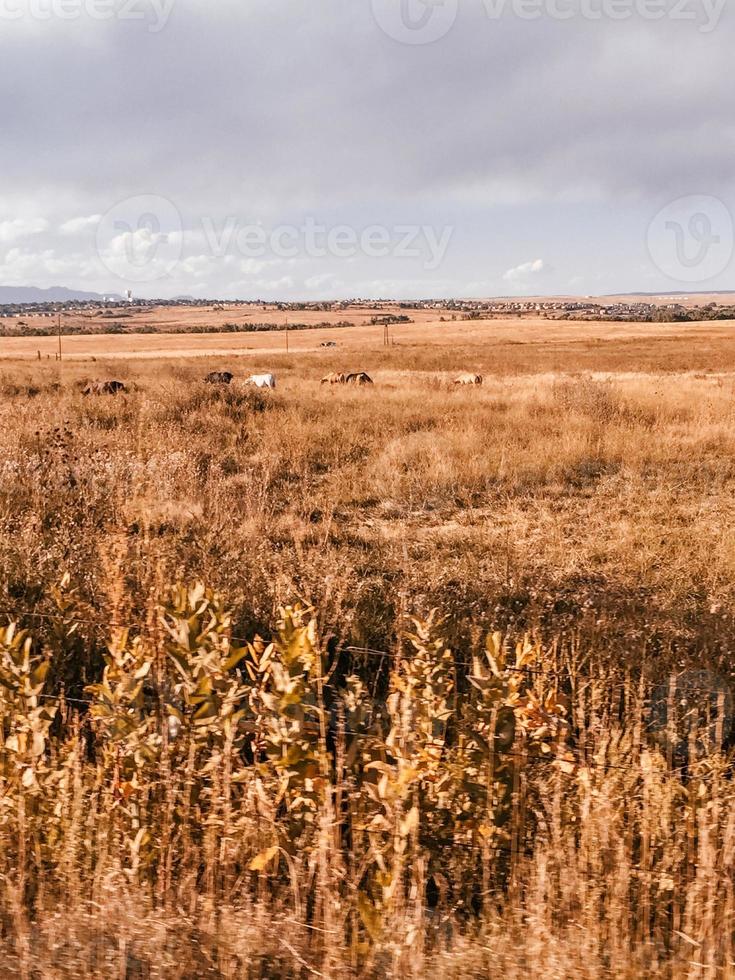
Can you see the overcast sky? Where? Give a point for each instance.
(334, 148)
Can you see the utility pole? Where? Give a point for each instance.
(59, 330)
(287, 335)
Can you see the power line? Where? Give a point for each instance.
(365, 651)
(16, 614)
(501, 755)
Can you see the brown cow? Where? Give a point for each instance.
(334, 379)
(360, 378)
(104, 388)
(219, 378)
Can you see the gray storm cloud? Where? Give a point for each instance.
(521, 139)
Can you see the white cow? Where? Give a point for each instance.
(262, 380)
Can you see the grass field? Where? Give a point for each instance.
(199, 319)
(545, 345)
(582, 499)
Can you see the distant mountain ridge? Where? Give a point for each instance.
(681, 292)
(54, 294)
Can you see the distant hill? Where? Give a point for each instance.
(681, 292)
(55, 294)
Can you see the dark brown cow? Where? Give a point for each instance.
(104, 388)
(219, 378)
(360, 378)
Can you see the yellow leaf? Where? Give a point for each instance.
(261, 861)
(206, 711)
(235, 657)
(370, 916)
(407, 776)
(142, 838)
(38, 676)
(203, 689)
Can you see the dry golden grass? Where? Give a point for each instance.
(582, 496)
(172, 319)
(525, 345)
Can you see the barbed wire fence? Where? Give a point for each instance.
(384, 655)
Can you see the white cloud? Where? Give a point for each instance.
(579, 178)
(11, 231)
(285, 283)
(21, 267)
(253, 267)
(74, 225)
(326, 282)
(525, 272)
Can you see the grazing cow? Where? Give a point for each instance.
(469, 379)
(334, 379)
(218, 378)
(360, 378)
(104, 388)
(262, 380)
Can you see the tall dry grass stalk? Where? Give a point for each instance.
(361, 794)
(227, 808)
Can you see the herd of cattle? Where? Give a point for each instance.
(347, 379)
(358, 378)
(226, 378)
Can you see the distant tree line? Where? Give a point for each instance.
(680, 314)
(388, 320)
(114, 327)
